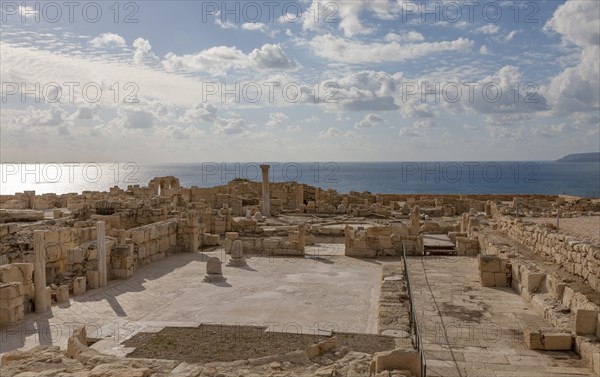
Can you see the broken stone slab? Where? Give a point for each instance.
(397, 359)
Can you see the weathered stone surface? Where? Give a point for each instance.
(214, 272)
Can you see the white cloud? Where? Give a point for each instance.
(484, 50)
(53, 116)
(202, 112)
(509, 37)
(370, 120)
(354, 51)
(271, 56)
(276, 120)
(254, 26)
(576, 88)
(488, 29)
(424, 124)
(225, 25)
(134, 119)
(142, 53)
(85, 112)
(331, 132)
(218, 60)
(234, 126)
(411, 36)
(108, 40)
(408, 133)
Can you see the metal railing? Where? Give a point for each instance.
(413, 316)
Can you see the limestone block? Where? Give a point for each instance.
(214, 272)
(397, 359)
(11, 315)
(500, 279)
(533, 339)
(11, 303)
(79, 285)
(534, 280)
(586, 322)
(52, 238)
(360, 252)
(488, 263)
(9, 273)
(26, 271)
(77, 255)
(488, 279)
(227, 245)
(557, 341)
(231, 235)
(137, 236)
(93, 279)
(62, 294)
(385, 242)
(10, 290)
(48, 297)
(598, 329)
(121, 273)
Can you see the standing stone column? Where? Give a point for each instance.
(266, 198)
(301, 237)
(101, 247)
(415, 216)
(39, 271)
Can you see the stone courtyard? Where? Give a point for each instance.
(357, 284)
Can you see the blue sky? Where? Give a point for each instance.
(380, 80)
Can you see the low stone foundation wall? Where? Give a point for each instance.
(579, 258)
(380, 241)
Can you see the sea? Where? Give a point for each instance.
(454, 177)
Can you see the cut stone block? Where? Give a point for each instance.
(11, 315)
(62, 294)
(79, 285)
(557, 341)
(26, 270)
(487, 279)
(488, 263)
(11, 303)
(10, 273)
(534, 281)
(533, 339)
(93, 279)
(10, 290)
(586, 322)
(48, 297)
(500, 279)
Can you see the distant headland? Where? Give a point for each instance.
(581, 157)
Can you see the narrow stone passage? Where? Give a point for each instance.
(471, 331)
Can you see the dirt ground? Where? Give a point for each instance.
(209, 343)
(585, 228)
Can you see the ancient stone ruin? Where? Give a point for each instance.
(319, 283)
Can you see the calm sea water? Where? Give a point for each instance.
(543, 177)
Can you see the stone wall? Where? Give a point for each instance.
(579, 258)
(379, 241)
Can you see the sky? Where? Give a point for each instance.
(356, 80)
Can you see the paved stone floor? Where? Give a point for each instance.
(284, 294)
(471, 331)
